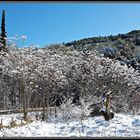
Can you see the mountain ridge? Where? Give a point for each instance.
(124, 47)
(133, 33)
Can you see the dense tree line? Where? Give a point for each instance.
(33, 77)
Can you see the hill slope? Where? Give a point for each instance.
(123, 47)
(133, 36)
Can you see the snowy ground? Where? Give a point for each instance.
(121, 126)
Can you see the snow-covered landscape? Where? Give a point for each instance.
(122, 125)
(80, 88)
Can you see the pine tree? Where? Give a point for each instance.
(3, 33)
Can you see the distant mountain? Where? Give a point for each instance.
(133, 36)
(123, 47)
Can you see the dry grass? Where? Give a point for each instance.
(14, 124)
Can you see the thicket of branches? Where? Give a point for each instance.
(33, 77)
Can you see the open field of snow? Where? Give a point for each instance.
(120, 126)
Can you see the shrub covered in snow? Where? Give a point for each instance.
(32, 77)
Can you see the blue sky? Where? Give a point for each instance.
(47, 23)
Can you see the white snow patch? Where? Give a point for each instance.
(122, 125)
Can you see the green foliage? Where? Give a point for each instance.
(125, 47)
(3, 33)
(124, 43)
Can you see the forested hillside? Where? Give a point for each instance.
(123, 47)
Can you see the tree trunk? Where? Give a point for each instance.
(44, 116)
(108, 105)
(24, 99)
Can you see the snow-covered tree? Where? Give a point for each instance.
(3, 33)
